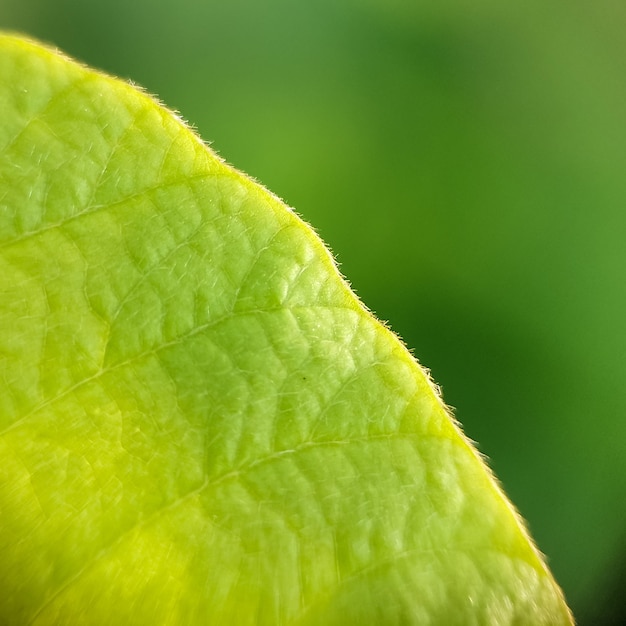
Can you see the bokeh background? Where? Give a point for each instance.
(466, 162)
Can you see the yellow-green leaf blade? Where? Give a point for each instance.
(199, 422)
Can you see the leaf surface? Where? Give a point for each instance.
(199, 422)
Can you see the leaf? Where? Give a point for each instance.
(199, 422)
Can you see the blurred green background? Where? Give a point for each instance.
(466, 162)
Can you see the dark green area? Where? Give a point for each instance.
(466, 163)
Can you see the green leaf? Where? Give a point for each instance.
(199, 422)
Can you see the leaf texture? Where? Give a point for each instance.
(199, 422)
